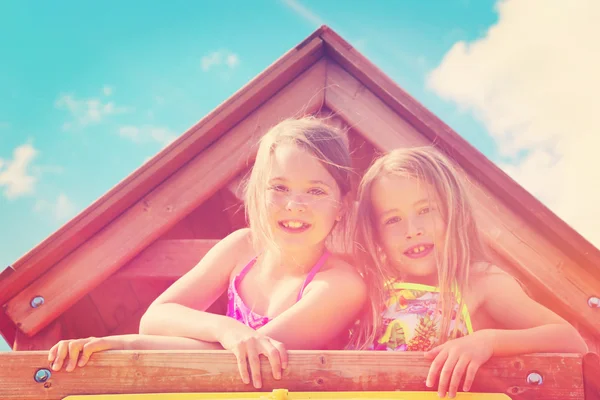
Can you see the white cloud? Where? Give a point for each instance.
(232, 60)
(148, 133)
(218, 58)
(87, 111)
(107, 90)
(61, 209)
(533, 81)
(304, 12)
(15, 178)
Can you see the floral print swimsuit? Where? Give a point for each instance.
(411, 319)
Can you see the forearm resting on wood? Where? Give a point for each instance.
(552, 338)
(153, 342)
(171, 319)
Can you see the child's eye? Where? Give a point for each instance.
(278, 188)
(424, 210)
(317, 192)
(392, 220)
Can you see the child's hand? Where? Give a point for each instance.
(247, 345)
(456, 358)
(72, 349)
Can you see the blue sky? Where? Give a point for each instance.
(89, 91)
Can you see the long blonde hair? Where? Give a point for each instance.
(309, 133)
(463, 243)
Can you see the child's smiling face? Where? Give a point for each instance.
(303, 199)
(410, 228)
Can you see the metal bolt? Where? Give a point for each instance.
(37, 301)
(534, 378)
(594, 302)
(42, 375)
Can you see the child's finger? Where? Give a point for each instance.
(431, 354)
(446, 374)
(254, 362)
(61, 354)
(282, 353)
(436, 366)
(88, 349)
(52, 353)
(274, 359)
(459, 372)
(242, 362)
(470, 376)
(74, 350)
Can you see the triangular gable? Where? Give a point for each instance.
(323, 71)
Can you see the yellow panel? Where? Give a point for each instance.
(282, 394)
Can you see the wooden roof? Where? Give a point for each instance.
(322, 72)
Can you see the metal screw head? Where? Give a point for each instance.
(42, 375)
(37, 301)
(534, 378)
(594, 302)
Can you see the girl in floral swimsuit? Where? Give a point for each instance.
(432, 289)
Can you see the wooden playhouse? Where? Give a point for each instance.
(97, 274)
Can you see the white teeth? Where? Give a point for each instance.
(293, 224)
(417, 250)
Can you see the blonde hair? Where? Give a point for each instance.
(463, 243)
(309, 133)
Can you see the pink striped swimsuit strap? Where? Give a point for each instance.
(313, 272)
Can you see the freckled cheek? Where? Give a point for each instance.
(325, 208)
(391, 238)
(275, 202)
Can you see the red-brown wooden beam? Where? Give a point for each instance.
(313, 371)
(166, 259)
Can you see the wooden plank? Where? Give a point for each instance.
(116, 302)
(143, 180)
(504, 187)
(161, 209)
(591, 376)
(166, 259)
(568, 284)
(182, 230)
(82, 319)
(8, 329)
(43, 340)
(216, 371)
(209, 221)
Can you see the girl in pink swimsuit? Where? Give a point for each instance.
(291, 292)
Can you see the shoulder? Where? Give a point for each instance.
(240, 240)
(341, 274)
(489, 279)
(232, 248)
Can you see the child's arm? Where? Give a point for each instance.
(180, 310)
(330, 303)
(524, 326)
(79, 351)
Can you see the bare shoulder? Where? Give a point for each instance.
(234, 247)
(486, 278)
(342, 273)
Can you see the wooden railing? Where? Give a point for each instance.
(26, 375)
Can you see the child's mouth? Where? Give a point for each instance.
(419, 251)
(294, 226)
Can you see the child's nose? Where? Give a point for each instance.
(296, 203)
(413, 230)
